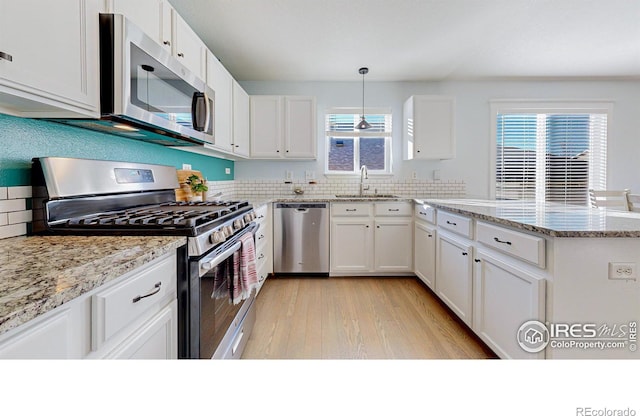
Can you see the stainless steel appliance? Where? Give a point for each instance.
(81, 196)
(301, 238)
(147, 94)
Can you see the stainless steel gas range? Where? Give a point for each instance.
(95, 197)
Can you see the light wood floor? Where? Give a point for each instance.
(356, 317)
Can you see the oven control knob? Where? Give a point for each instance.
(218, 237)
(253, 215)
(238, 224)
(228, 231)
(247, 218)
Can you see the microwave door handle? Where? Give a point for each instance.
(208, 265)
(207, 107)
(196, 101)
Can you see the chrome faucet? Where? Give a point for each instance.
(364, 174)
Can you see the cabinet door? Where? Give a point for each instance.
(50, 57)
(148, 15)
(221, 81)
(393, 245)
(155, 339)
(51, 337)
(240, 120)
(454, 267)
(351, 245)
(425, 253)
(300, 127)
(505, 296)
(429, 127)
(188, 47)
(266, 126)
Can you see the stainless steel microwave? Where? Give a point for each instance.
(146, 93)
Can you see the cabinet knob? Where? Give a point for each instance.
(166, 42)
(465, 253)
(418, 151)
(6, 56)
(367, 226)
(429, 235)
(277, 151)
(377, 226)
(181, 55)
(477, 260)
(287, 151)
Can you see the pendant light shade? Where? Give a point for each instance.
(363, 125)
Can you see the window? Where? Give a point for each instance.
(550, 152)
(348, 148)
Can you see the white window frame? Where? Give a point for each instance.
(542, 106)
(388, 143)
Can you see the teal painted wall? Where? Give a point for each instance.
(22, 139)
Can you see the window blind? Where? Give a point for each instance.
(550, 157)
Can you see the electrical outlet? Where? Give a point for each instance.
(436, 174)
(309, 175)
(227, 171)
(288, 175)
(414, 175)
(186, 166)
(622, 271)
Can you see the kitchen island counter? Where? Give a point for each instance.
(554, 220)
(39, 273)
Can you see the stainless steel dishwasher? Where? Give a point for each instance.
(301, 238)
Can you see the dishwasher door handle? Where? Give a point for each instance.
(302, 210)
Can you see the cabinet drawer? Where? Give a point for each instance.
(351, 210)
(523, 246)
(395, 209)
(425, 213)
(456, 223)
(118, 306)
(261, 213)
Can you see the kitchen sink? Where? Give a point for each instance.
(367, 196)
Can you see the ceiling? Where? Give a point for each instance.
(419, 40)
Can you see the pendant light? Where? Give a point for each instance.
(363, 125)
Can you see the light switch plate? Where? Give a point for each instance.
(186, 166)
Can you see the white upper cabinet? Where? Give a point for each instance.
(187, 46)
(160, 21)
(428, 129)
(283, 127)
(153, 17)
(221, 81)
(49, 58)
(240, 120)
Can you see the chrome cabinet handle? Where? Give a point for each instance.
(261, 256)
(422, 213)
(451, 223)
(166, 42)
(429, 235)
(497, 240)
(181, 55)
(394, 209)
(477, 260)
(155, 290)
(6, 56)
(261, 237)
(464, 253)
(351, 210)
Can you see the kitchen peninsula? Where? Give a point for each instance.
(572, 268)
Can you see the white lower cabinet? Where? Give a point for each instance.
(351, 245)
(264, 244)
(155, 339)
(454, 281)
(393, 245)
(371, 238)
(54, 336)
(133, 316)
(425, 253)
(505, 297)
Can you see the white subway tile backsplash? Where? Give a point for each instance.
(20, 216)
(3, 192)
(4, 218)
(16, 192)
(10, 205)
(13, 230)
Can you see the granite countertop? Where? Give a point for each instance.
(39, 273)
(555, 220)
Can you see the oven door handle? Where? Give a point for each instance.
(208, 265)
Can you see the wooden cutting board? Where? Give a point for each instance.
(184, 192)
